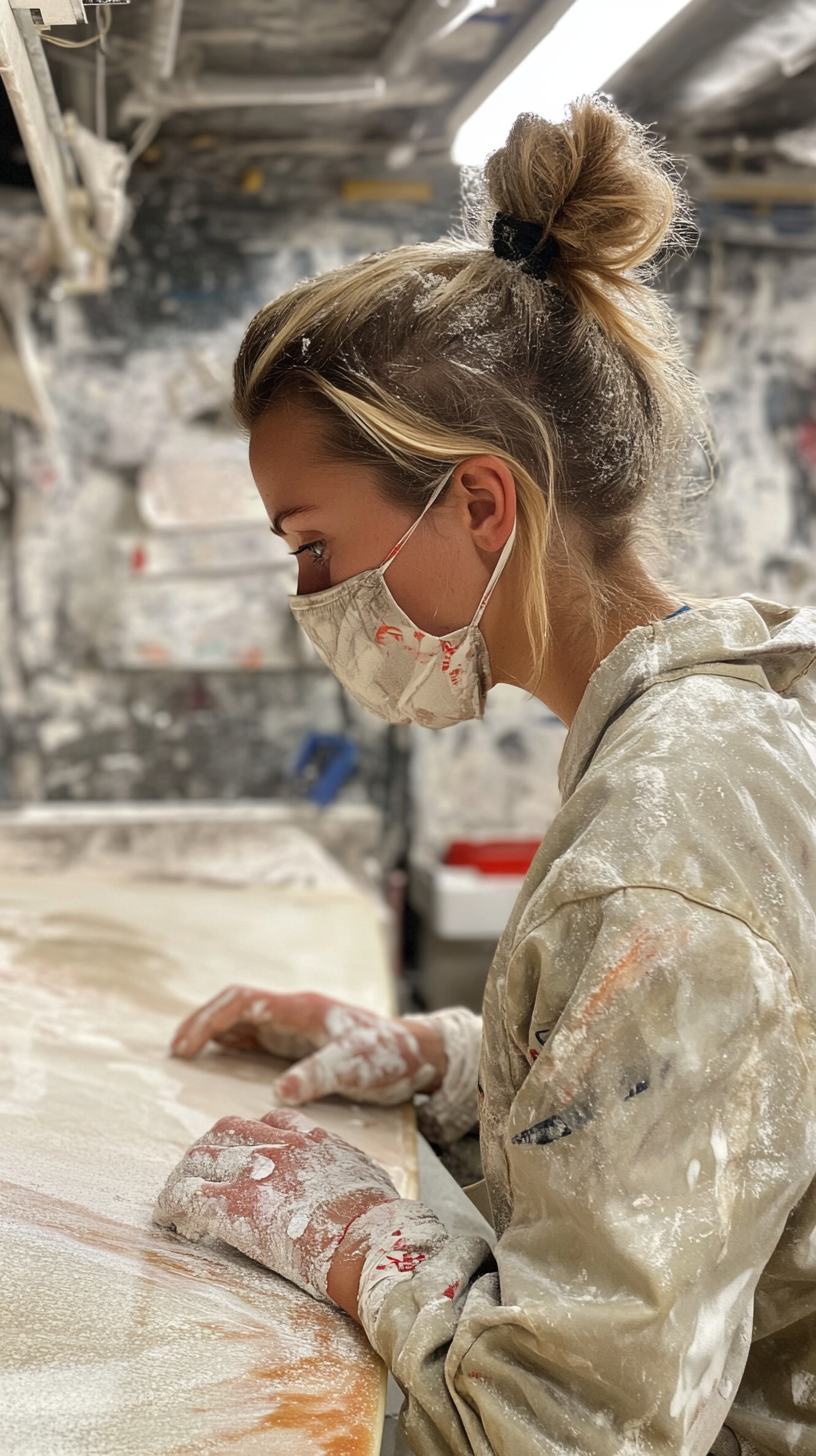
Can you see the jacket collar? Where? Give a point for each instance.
(741, 630)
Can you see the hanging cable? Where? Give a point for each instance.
(78, 45)
(143, 136)
(102, 76)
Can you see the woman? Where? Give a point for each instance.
(474, 432)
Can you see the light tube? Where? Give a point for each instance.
(587, 46)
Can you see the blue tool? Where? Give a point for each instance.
(324, 762)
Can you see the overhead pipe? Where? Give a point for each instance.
(213, 92)
(425, 22)
(782, 43)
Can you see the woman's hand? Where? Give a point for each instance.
(281, 1190)
(341, 1049)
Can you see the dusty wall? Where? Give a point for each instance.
(746, 303)
(147, 660)
(146, 648)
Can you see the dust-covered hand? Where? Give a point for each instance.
(339, 1049)
(280, 1190)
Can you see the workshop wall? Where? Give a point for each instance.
(747, 304)
(147, 650)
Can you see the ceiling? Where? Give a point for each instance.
(289, 88)
(293, 101)
(727, 81)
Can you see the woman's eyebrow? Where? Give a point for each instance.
(284, 516)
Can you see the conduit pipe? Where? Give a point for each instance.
(41, 145)
(162, 46)
(783, 43)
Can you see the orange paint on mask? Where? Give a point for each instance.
(384, 632)
(448, 649)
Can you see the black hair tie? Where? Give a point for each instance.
(516, 241)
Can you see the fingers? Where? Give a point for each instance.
(312, 1078)
(224, 1153)
(244, 1133)
(172, 1205)
(188, 1205)
(362, 1058)
(233, 1132)
(239, 1038)
(302, 1014)
(232, 1006)
(286, 1121)
(290, 1122)
(370, 1064)
(215, 1164)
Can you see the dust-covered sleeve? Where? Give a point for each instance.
(653, 1152)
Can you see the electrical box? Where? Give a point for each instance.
(62, 12)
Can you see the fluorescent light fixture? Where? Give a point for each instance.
(587, 46)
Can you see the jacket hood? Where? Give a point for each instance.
(745, 631)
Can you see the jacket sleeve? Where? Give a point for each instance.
(653, 1149)
(451, 1111)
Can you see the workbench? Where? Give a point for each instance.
(119, 1339)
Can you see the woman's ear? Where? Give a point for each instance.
(488, 493)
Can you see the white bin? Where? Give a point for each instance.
(470, 906)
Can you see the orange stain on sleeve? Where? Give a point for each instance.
(632, 967)
(625, 973)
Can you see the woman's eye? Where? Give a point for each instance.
(315, 548)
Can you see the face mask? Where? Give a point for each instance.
(385, 661)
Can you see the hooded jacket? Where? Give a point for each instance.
(648, 1082)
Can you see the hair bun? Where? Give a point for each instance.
(599, 186)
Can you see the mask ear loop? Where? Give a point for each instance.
(494, 580)
(409, 533)
(500, 564)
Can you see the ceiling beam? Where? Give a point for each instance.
(653, 83)
(780, 44)
(424, 22)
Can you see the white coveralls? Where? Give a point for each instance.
(648, 1081)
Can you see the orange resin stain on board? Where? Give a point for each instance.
(118, 1336)
(299, 1367)
(334, 1407)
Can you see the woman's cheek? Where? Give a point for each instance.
(312, 576)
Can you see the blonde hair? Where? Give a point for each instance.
(425, 355)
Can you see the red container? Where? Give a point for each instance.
(495, 857)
